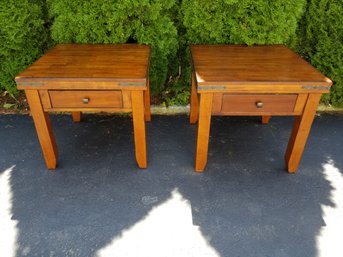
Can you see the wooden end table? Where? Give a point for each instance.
(88, 78)
(254, 81)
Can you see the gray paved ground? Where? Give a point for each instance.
(98, 203)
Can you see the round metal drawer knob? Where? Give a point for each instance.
(85, 100)
(259, 104)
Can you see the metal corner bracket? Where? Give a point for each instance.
(26, 83)
(132, 84)
(214, 87)
(316, 87)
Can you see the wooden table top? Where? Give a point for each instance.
(90, 63)
(257, 65)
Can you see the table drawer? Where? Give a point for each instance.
(258, 103)
(86, 99)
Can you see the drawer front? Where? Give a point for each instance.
(259, 103)
(86, 99)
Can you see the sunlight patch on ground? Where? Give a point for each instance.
(8, 227)
(167, 230)
(329, 239)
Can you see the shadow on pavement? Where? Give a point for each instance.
(244, 204)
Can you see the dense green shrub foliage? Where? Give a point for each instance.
(320, 40)
(314, 28)
(241, 21)
(120, 21)
(177, 89)
(22, 38)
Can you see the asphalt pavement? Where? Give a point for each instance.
(99, 203)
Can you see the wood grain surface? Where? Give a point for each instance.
(123, 65)
(257, 65)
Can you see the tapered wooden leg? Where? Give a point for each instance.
(43, 128)
(194, 108)
(300, 132)
(203, 131)
(139, 128)
(76, 116)
(265, 119)
(147, 112)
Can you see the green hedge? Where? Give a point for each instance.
(320, 40)
(313, 28)
(23, 38)
(113, 21)
(241, 21)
